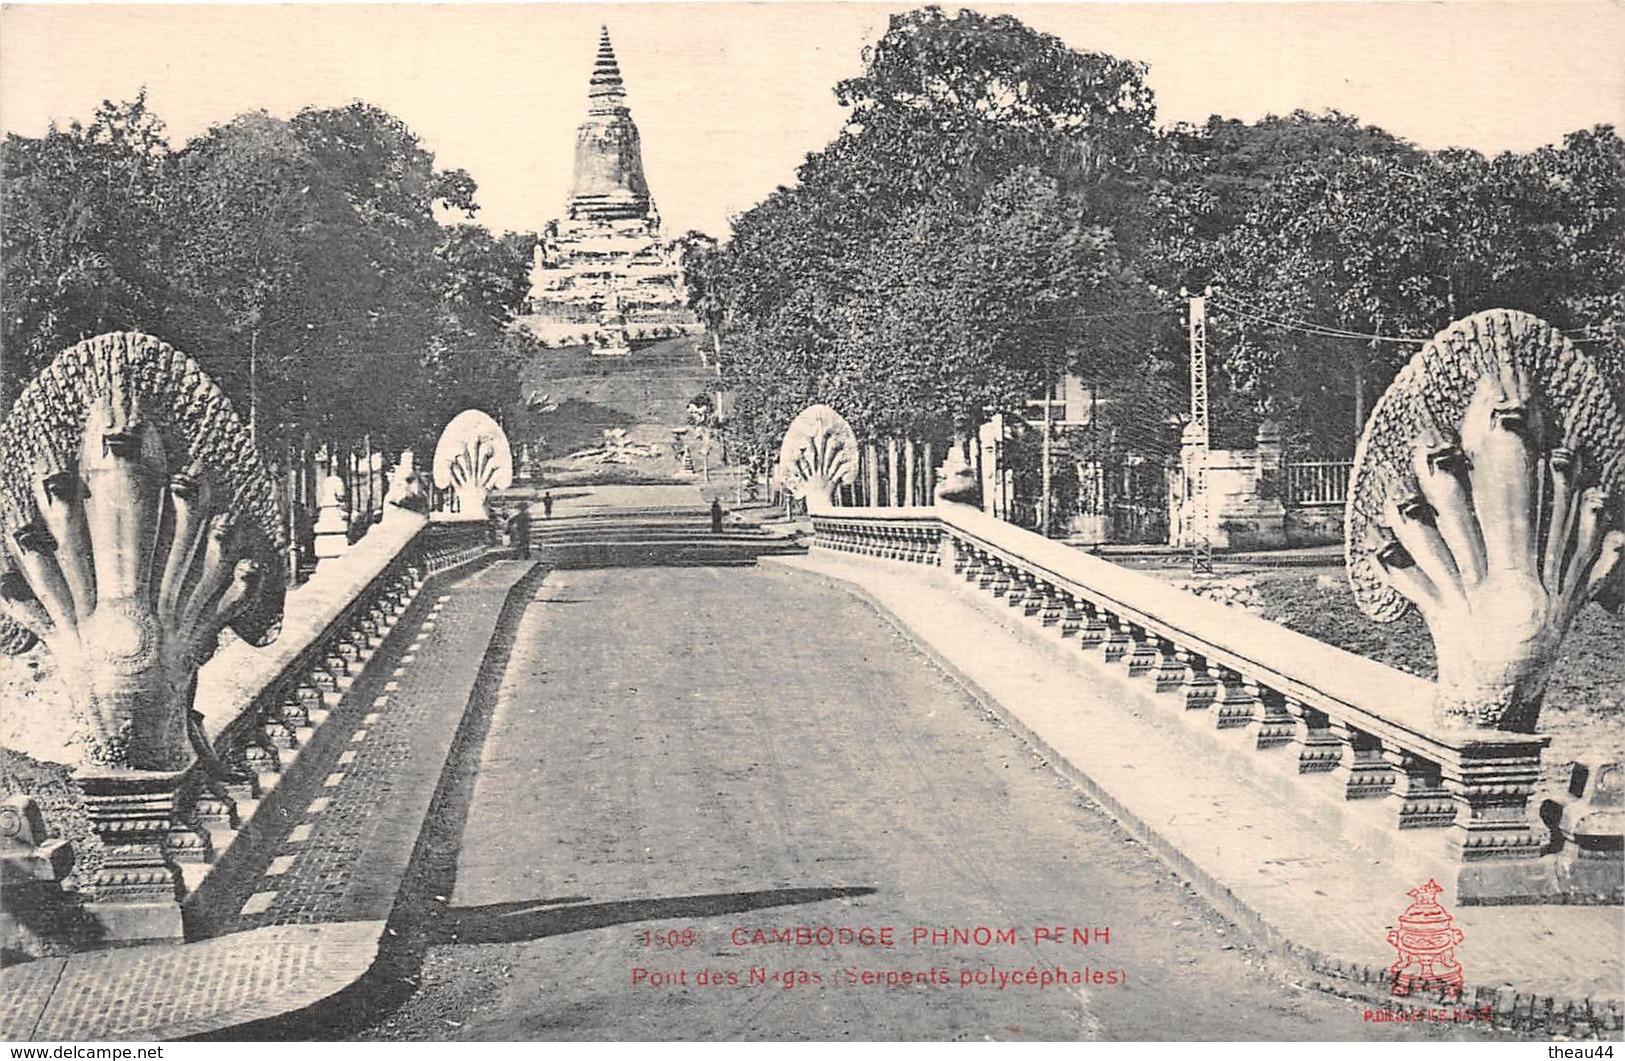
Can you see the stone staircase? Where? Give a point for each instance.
(671, 537)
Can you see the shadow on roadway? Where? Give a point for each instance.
(519, 922)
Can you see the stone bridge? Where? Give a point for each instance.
(888, 773)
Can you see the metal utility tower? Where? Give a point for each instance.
(1201, 546)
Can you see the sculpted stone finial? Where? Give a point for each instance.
(473, 459)
(138, 523)
(332, 528)
(405, 486)
(1486, 493)
(818, 454)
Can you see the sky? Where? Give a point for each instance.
(729, 97)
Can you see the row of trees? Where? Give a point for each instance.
(1000, 209)
(300, 261)
(1323, 225)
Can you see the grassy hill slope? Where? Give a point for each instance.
(647, 394)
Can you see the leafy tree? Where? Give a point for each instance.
(247, 217)
(86, 248)
(936, 260)
(300, 261)
(1314, 226)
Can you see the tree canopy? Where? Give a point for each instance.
(946, 252)
(1001, 208)
(300, 261)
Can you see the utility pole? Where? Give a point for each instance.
(254, 387)
(1044, 506)
(1201, 545)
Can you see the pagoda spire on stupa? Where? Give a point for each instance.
(603, 276)
(606, 93)
(609, 183)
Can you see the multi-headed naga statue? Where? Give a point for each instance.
(138, 523)
(473, 458)
(818, 454)
(1487, 494)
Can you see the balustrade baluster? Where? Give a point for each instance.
(1237, 704)
(262, 758)
(286, 715)
(1033, 600)
(1051, 607)
(1319, 750)
(976, 567)
(1117, 641)
(312, 700)
(1361, 770)
(186, 840)
(1275, 725)
(221, 796)
(1092, 634)
(1170, 670)
(1142, 657)
(1020, 586)
(1200, 687)
(1071, 615)
(333, 668)
(1419, 791)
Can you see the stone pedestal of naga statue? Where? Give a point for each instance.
(1486, 494)
(136, 523)
(819, 454)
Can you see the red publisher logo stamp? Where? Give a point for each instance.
(1426, 942)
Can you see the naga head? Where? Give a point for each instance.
(473, 458)
(1486, 494)
(819, 453)
(136, 523)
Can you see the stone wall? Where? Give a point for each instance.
(1314, 525)
(1248, 505)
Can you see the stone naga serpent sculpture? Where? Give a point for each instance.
(1486, 493)
(818, 454)
(138, 523)
(473, 458)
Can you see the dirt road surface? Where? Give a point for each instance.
(681, 758)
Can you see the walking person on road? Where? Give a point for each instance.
(519, 532)
(716, 515)
(547, 504)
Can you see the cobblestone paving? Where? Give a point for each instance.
(24, 991)
(344, 857)
(171, 991)
(311, 919)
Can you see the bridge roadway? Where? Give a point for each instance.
(680, 757)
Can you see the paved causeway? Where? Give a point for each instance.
(687, 764)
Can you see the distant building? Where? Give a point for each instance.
(602, 274)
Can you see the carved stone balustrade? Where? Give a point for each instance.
(1359, 733)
